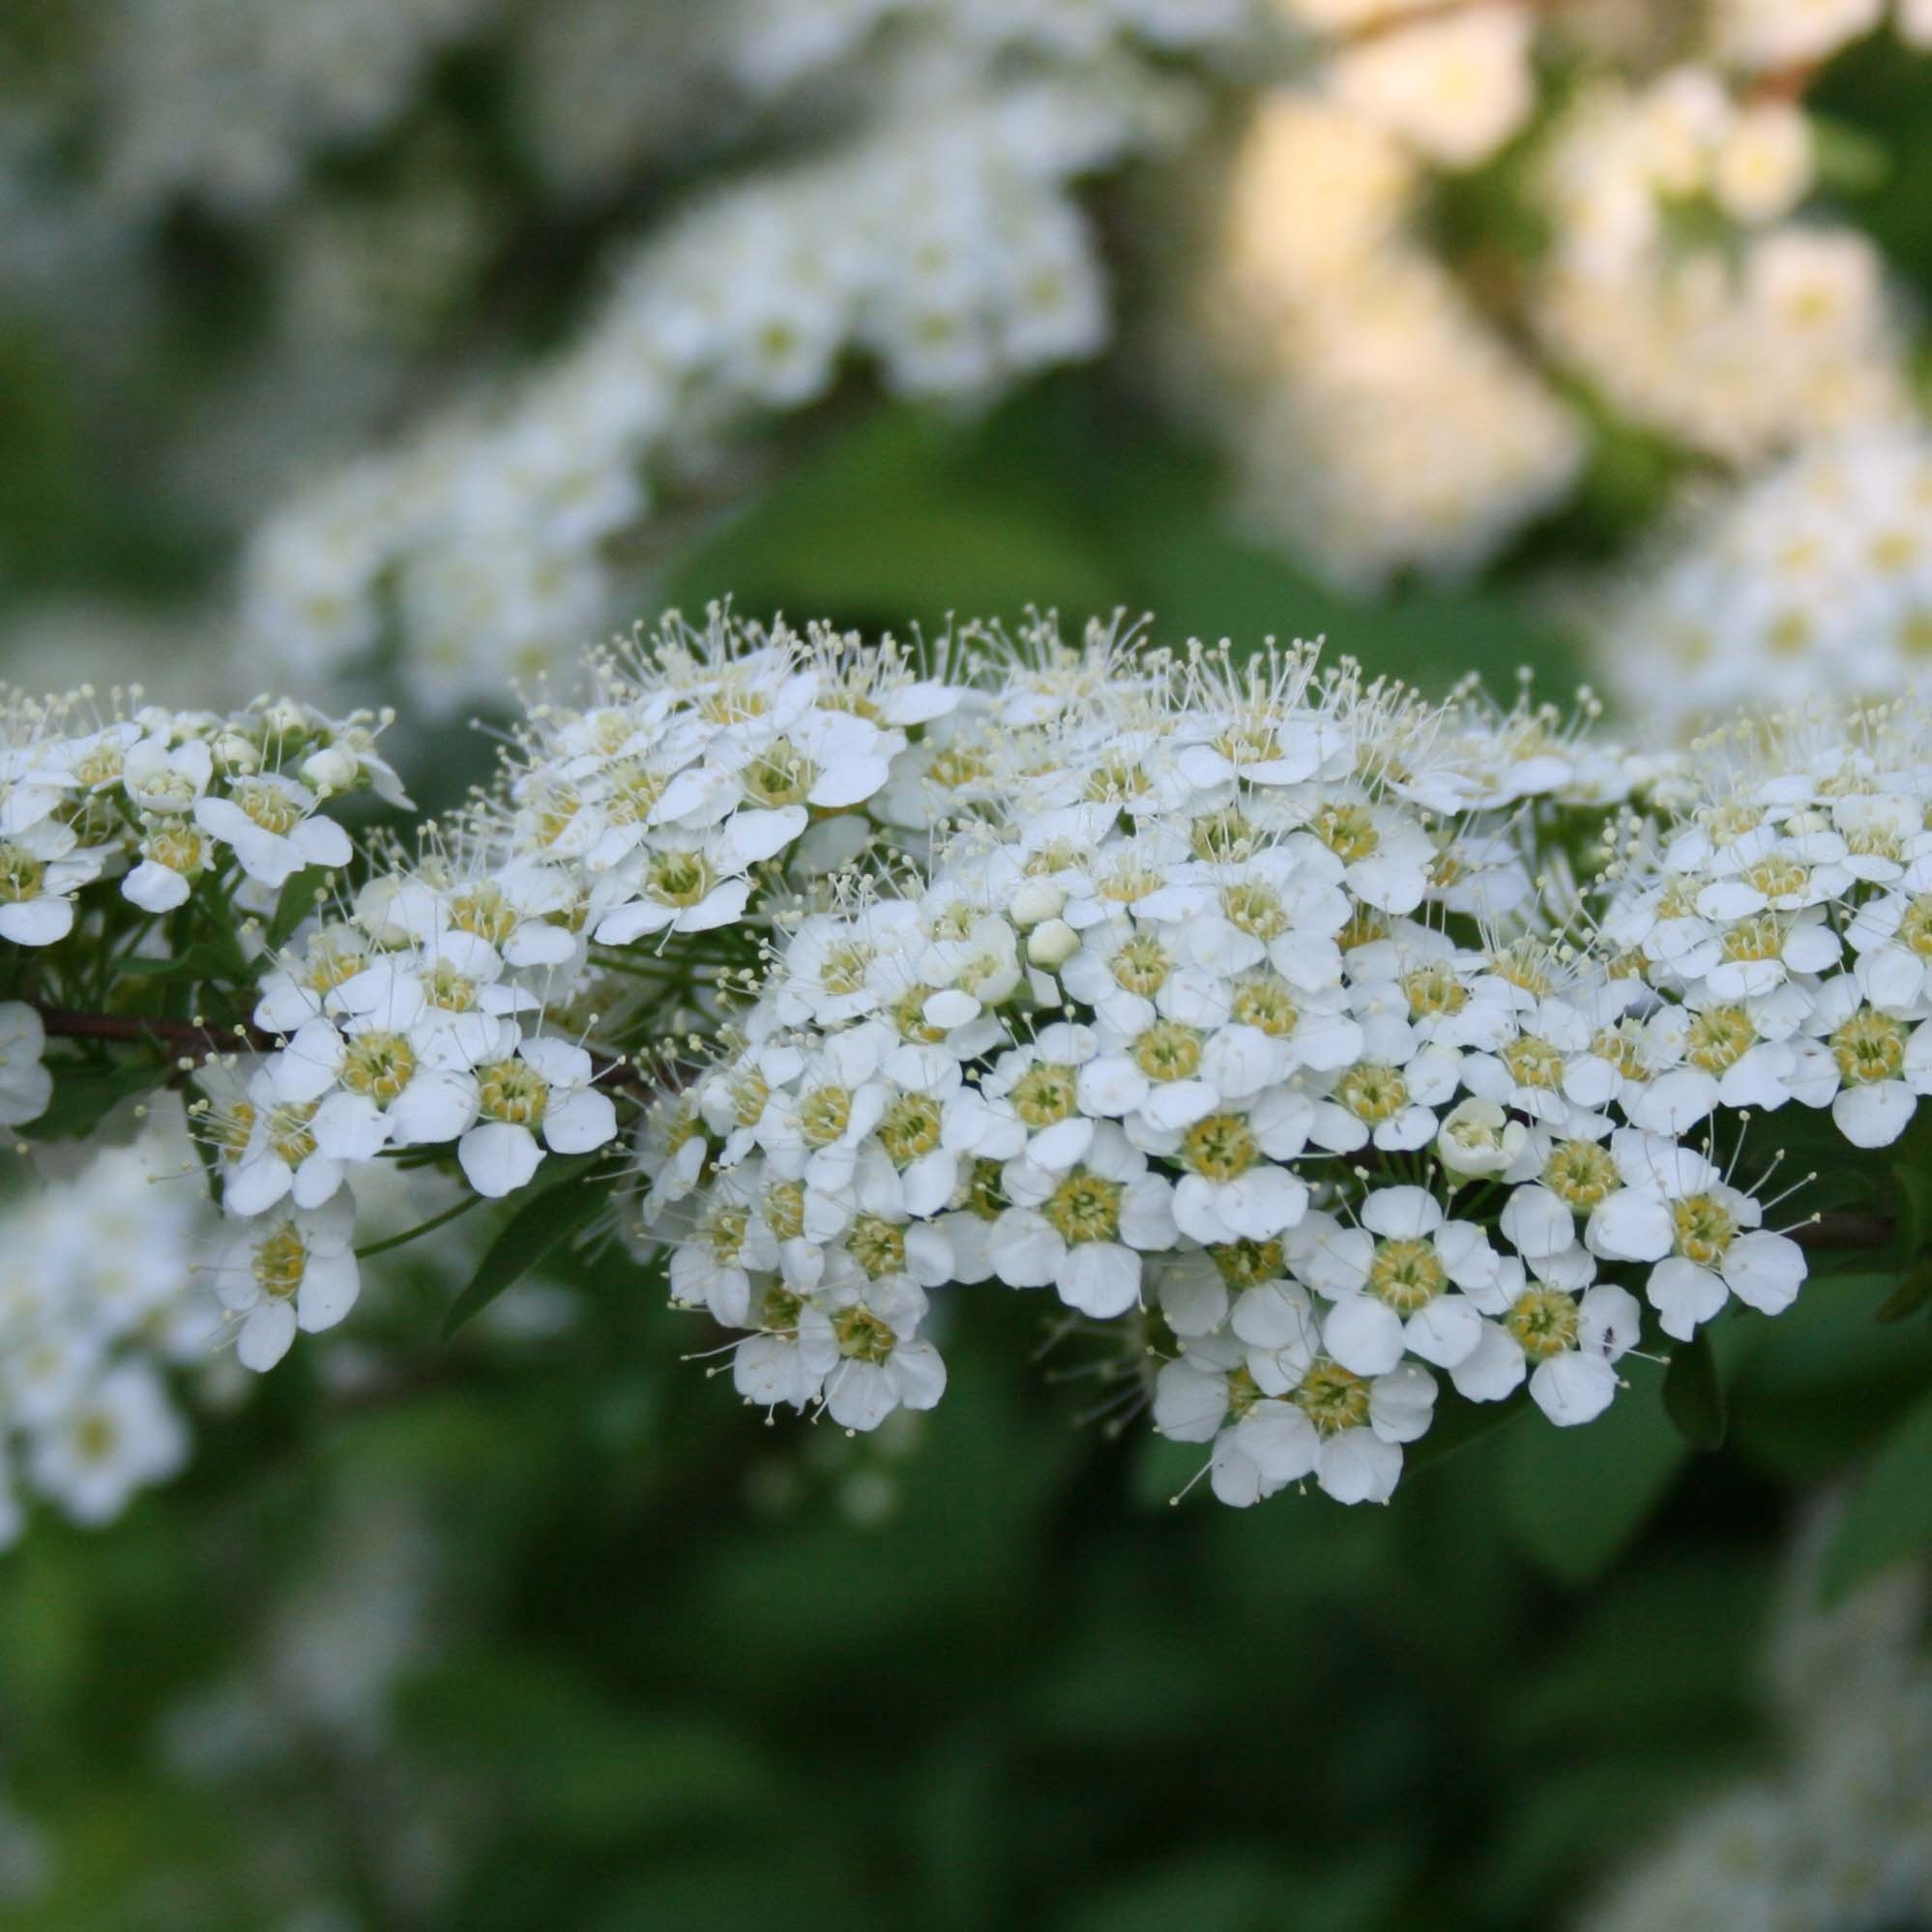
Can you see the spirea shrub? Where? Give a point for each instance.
(1337, 1066)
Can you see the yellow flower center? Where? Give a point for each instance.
(1168, 1051)
(1330, 1397)
(1254, 909)
(1085, 1207)
(862, 1337)
(176, 844)
(484, 912)
(785, 1209)
(877, 1246)
(678, 878)
(1044, 1095)
(1406, 1274)
(1219, 1148)
(512, 1091)
(1532, 1062)
(378, 1065)
(1222, 837)
(1347, 831)
(20, 873)
(1543, 1321)
(267, 806)
(909, 1128)
(1247, 1264)
(1141, 966)
(1869, 1047)
(281, 1262)
(1434, 990)
(288, 1130)
(1581, 1173)
(824, 1114)
(1719, 1037)
(1705, 1228)
(1264, 1002)
(1372, 1092)
(783, 776)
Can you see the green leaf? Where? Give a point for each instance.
(543, 1222)
(1845, 159)
(84, 1093)
(204, 960)
(1693, 1393)
(1889, 1516)
(1910, 1295)
(297, 900)
(1459, 1423)
(1575, 1498)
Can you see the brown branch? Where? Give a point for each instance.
(188, 1039)
(1847, 1231)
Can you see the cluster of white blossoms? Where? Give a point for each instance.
(152, 801)
(1381, 422)
(1785, 905)
(1681, 288)
(1216, 1002)
(942, 241)
(98, 1300)
(1317, 1050)
(1451, 223)
(231, 102)
(1815, 578)
(1835, 1835)
(1774, 35)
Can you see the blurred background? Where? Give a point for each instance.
(386, 352)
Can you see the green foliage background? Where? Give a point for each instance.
(661, 1665)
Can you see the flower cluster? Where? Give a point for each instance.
(155, 800)
(1815, 578)
(1783, 906)
(97, 1301)
(1381, 422)
(1679, 286)
(943, 243)
(1201, 1014)
(1319, 1052)
(1453, 224)
(1835, 1833)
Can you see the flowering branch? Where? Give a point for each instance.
(1328, 1054)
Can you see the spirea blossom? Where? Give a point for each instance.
(1178, 976)
(1814, 578)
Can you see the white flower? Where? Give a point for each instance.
(696, 886)
(26, 1084)
(1391, 1279)
(544, 1085)
(270, 823)
(39, 872)
(280, 1156)
(378, 1086)
(120, 1436)
(858, 1338)
(1079, 1230)
(291, 1269)
(1477, 1138)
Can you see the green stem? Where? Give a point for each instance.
(408, 1235)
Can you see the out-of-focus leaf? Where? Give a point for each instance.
(1889, 1516)
(1910, 1295)
(293, 904)
(542, 1224)
(1575, 1498)
(1846, 159)
(84, 1094)
(1457, 1425)
(1693, 1393)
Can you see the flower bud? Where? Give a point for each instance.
(1036, 900)
(1051, 944)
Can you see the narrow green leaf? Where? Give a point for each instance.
(295, 902)
(84, 1093)
(201, 961)
(1459, 1423)
(1910, 1295)
(1575, 1498)
(1693, 1393)
(543, 1223)
(1889, 1516)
